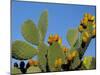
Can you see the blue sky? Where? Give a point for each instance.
(61, 17)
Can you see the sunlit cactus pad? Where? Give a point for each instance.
(52, 37)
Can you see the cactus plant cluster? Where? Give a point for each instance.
(53, 55)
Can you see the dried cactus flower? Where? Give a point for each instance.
(35, 63)
(30, 62)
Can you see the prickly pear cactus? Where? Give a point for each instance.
(55, 56)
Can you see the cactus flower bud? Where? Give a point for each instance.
(65, 49)
(80, 28)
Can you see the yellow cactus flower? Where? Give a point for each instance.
(86, 15)
(80, 28)
(84, 39)
(86, 34)
(56, 63)
(50, 39)
(74, 53)
(85, 21)
(60, 41)
(56, 37)
(69, 58)
(92, 17)
(59, 61)
(89, 16)
(94, 32)
(94, 26)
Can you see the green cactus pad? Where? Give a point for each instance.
(33, 69)
(78, 42)
(43, 24)
(22, 50)
(55, 51)
(41, 55)
(30, 32)
(72, 36)
(89, 62)
(15, 71)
